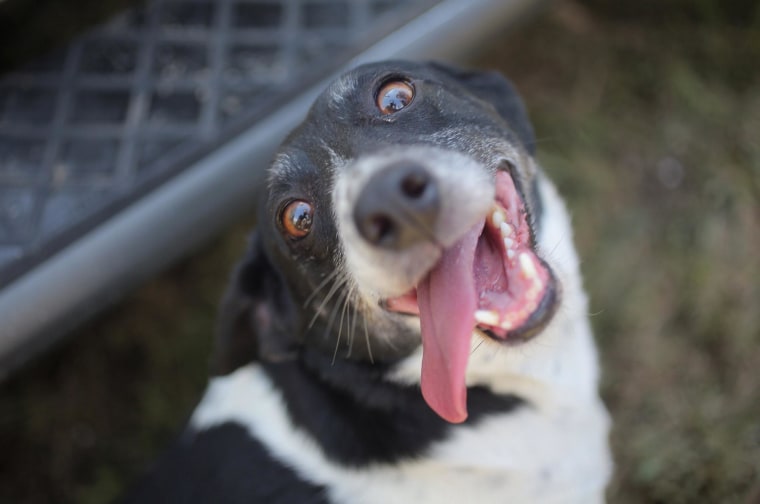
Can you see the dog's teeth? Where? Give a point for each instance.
(526, 266)
(510, 254)
(509, 243)
(487, 317)
(506, 229)
(498, 217)
(533, 293)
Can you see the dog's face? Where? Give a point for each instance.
(404, 210)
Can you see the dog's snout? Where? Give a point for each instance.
(398, 206)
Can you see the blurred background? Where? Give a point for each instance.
(648, 118)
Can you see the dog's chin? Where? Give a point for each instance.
(516, 291)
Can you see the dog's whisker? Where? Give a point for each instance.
(334, 289)
(329, 326)
(319, 287)
(545, 139)
(477, 346)
(352, 331)
(554, 249)
(366, 338)
(340, 324)
(391, 343)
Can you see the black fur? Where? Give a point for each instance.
(223, 465)
(358, 417)
(495, 89)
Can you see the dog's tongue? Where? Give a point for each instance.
(447, 300)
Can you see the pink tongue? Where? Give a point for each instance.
(447, 301)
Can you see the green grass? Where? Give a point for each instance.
(648, 119)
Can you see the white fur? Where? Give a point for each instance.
(339, 90)
(508, 458)
(552, 451)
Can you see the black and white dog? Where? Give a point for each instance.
(409, 324)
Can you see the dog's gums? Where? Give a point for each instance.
(492, 280)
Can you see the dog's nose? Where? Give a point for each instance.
(398, 206)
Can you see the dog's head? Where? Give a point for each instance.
(405, 209)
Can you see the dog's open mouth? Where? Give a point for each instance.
(490, 280)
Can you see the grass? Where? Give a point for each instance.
(648, 119)
(652, 132)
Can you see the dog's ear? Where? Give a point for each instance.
(495, 89)
(254, 313)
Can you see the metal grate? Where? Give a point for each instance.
(91, 128)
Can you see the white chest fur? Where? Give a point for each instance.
(527, 456)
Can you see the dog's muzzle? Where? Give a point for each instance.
(458, 240)
(398, 206)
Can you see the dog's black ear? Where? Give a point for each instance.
(497, 90)
(254, 313)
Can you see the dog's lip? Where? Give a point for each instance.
(531, 312)
(406, 305)
(536, 322)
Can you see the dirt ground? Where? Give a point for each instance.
(648, 119)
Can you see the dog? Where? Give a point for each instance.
(409, 322)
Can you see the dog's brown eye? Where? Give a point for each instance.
(297, 218)
(394, 95)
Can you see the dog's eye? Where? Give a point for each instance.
(297, 218)
(394, 95)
